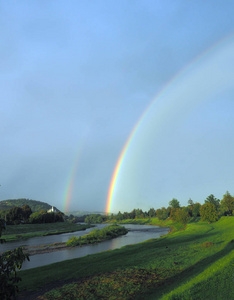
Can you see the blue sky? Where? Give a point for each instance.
(76, 76)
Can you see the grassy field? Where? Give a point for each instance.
(195, 263)
(25, 231)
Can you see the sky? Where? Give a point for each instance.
(80, 80)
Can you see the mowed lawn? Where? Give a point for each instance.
(195, 263)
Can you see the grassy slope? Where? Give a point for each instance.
(192, 267)
(212, 276)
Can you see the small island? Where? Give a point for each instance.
(95, 236)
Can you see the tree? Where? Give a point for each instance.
(190, 202)
(189, 210)
(174, 203)
(211, 199)
(14, 215)
(180, 215)
(151, 212)
(196, 210)
(26, 212)
(10, 261)
(133, 214)
(2, 227)
(228, 203)
(119, 216)
(139, 214)
(208, 212)
(162, 213)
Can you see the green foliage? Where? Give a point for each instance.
(26, 212)
(227, 203)
(211, 199)
(2, 227)
(17, 214)
(196, 210)
(174, 203)
(10, 261)
(97, 235)
(180, 215)
(162, 213)
(33, 204)
(208, 212)
(152, 213)
(95, 219)
(134, 214)
(44, 217)
(14, 215)
(74, 219)
(190, 202)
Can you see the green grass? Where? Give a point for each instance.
(25, 231)
(185, 264)
(215, 282)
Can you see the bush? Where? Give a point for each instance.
(97, 235)
(9, 262)
(180, 215)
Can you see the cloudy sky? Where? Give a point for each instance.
(76, 77)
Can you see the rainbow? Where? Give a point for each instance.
(122, 157)
(71, 179)
(123, 154)
(118, 167)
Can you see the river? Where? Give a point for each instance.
(136, 234)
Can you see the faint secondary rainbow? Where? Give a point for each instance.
(121, 159)
(72, 175)
(71, 180)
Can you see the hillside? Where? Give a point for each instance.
(34, 204)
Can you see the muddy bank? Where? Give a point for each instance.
(34, 250)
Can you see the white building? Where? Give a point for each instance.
(52, 210)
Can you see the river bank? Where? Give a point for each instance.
(35, 250)
(197, 261)
(27, 231)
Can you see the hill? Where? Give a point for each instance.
(35, 205)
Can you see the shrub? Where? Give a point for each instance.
(97, 235)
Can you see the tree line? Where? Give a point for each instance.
(210, 211)
(18, 215)
(34, 204)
